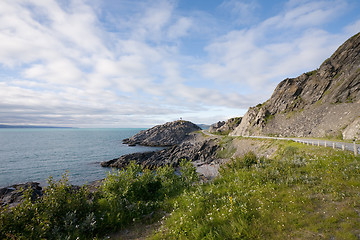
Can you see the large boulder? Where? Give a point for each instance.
(13, 195)
(164, 135)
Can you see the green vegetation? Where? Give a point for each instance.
(68, 212)
(326, 61)
(304, 192)
(268, 117)
(227, 150)
(311, 73)
(337, 75)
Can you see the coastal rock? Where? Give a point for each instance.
(13, 195)
(203, 151)
(216, 126)
(321, 103)
(164, 135)
(225, 128)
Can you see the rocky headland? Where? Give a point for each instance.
(164, 135)
(195, 146)
(321, 103)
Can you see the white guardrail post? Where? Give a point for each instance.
(355, 149)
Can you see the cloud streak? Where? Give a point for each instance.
(81, 64)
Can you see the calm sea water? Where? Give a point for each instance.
(35, 154)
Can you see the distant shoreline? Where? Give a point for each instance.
(28, 126)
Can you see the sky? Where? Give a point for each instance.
(126, 63)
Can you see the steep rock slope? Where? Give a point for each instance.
(167, 134)
(324, 102)
(225, 128)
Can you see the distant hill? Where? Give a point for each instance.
(203, 126)
(321, 103)
(28, 126)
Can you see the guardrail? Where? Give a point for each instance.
(353, 147)
(344, 146)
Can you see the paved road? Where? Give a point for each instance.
(317, 142)
(309, 141)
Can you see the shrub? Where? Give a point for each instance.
(71, 212)
(64, 212)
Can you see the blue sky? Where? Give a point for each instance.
(125, 63)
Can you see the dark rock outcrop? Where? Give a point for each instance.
(204, 151)
(13, 195)
(225, 128)
(324, 102)
(167, 134)
(216, 126)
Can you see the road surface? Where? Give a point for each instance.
(316, 142)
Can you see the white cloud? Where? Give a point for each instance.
(243, 11)
(259, 57)
(353, 28)
(180, 28)
(65, 65)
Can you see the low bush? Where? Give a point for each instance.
(64, 212)
(70, 212)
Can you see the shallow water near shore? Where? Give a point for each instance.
(35, 154)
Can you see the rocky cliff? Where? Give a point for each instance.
(321, 103)
(194, 149)
(223, 127)
(180, 137)
(167, 134)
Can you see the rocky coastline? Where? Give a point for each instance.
(187, 142)
(180, 139)
(12, 195)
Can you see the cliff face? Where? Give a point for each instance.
(225, 128)
(203, 151)
(167, 134)
(324, 102)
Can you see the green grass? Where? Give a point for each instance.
(310, 73)
(227, 150)
(303, 193)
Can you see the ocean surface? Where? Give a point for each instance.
(35, 154)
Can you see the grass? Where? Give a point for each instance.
(227, 150)
(310, 73)
(304, 192)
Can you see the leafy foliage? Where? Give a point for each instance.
(70, 212)
(64, 212)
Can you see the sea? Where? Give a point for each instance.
(35, 154)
